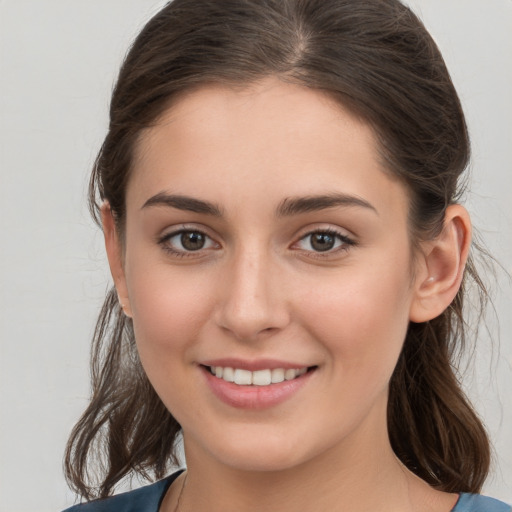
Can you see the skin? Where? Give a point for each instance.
(259, 289)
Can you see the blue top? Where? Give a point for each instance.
(146, 499)
(150, 497)
(477, 503)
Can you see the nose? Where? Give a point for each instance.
(253, 302)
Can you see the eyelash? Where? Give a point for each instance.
(346, 242)
(345, 245)
(164, 243)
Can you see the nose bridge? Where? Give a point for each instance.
(251, 303)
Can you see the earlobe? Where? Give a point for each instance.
(441, 266)
(114, 254)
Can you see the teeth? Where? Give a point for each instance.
(277, 375)
(257, 378)
(290, 374)
(228, 374)
(243, 377)
(262, 377)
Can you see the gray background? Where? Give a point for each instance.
(58, 62)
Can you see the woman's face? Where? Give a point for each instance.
(264, 240)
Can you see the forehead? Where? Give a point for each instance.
(270, 136)
(259, 111)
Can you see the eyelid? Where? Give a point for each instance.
(170, 233)
(348, 240)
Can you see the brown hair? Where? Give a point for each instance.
(375, 58)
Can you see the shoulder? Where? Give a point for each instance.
(478, 503)
(145, 499)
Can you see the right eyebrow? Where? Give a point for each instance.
(181, 202)
(298, 205)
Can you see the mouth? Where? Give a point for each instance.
(263, 377)
(256, 385)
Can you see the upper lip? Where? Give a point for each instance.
(258, 364)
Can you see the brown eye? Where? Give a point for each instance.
(322, 241)
(325, 241)
(192, 240)
(184, 242)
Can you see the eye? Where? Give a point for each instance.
(324, 241)
(186, 241)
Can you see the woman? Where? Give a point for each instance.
(278, 193)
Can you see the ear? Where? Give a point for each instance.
(115, 257)
(441, 266)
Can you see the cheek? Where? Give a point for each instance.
(169, 308)
(362, 319)
(169, 311)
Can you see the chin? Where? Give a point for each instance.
(262, 460)
(259, 451)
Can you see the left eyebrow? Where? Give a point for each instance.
(181, 202)
(297, 205)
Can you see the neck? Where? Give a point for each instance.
(309, 487)
(356, 476)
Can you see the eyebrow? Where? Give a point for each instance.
(288, 207)
(298, 205)
(180, 202)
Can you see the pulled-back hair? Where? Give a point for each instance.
(376, 59)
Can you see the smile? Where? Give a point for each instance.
(265, 386)
(257, 378)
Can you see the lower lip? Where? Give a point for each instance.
(255, 397)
